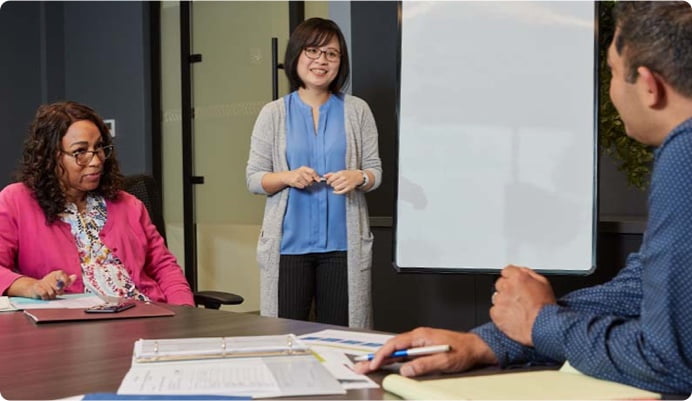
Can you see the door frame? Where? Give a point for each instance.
(296, 11)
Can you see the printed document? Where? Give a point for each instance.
(275, 376)
(335, 347)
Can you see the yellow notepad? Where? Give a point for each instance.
(563, 384)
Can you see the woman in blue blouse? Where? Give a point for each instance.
(314, 154)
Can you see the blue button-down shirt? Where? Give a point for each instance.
(637, 328)
(315, 219)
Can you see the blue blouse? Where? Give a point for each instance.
(315, 219)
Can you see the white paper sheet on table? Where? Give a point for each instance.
(275, 376)
(246, 376)
(69, 301)
(333, 348)
(6, 306)
(339, 365)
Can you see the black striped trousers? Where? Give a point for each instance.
(321, 277)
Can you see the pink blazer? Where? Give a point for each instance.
(30, 247)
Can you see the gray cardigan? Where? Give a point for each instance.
(268, 154)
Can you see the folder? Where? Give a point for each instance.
(143, 309)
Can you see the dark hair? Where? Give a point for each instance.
(315, 32)
(40, 168)
(656, 35)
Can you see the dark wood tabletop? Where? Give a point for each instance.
(57, 360)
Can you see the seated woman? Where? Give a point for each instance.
(67, 227)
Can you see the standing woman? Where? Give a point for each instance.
(314, 155)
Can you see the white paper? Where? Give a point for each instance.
(6, 306)
(66, 301)
(349, 379)
(241, 377)
(275, 376)
(333, 347)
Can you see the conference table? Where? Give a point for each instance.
(58, 360)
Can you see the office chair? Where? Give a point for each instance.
(144, 187)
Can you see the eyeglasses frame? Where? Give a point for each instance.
(106, 150)
(305, 51)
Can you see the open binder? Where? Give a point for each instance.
(253, 366)
(180, 349)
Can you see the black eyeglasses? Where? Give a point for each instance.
(84, 157)
(314, 53)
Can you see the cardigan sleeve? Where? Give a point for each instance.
(161, 265)
(260, 161)
(367, 129)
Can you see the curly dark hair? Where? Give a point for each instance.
(40, 168)
(315, 32)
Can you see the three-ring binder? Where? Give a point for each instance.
(153, 350)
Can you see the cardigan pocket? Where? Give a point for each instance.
(366, 242)
(266, 250)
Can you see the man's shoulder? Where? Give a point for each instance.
(678, 144)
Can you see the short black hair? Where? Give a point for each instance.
(656, 35)
(315, 32)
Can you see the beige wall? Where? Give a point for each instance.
(316, 9)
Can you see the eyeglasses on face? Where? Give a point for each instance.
(84, 157)
(314, 53)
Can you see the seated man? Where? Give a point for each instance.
(637, 328)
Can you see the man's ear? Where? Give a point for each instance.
(652, 87)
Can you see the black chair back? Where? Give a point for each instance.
(146, 189)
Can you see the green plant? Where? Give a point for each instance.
(633, 158)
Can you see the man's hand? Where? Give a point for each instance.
(520, 295)
(467, 350)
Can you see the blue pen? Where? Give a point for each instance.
(433, 349)
(60, 284)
